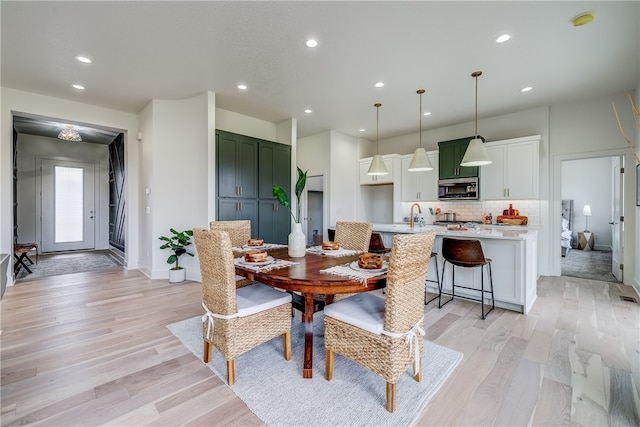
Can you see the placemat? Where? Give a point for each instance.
(266, 247)
(345, 270)
(278, 263)
(337, 253)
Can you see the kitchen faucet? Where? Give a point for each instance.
(419, 211)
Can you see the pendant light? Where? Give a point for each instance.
(420, 162)
(377, 163)
(69, 134)
(476, 154)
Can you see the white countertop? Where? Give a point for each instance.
(507, 232)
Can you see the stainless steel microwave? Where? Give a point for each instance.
(459, 189)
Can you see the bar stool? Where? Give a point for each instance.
(434, 255)
(467, 254)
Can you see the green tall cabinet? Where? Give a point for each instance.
(247, 168)
(451, 154)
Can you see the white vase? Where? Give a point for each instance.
(297, 242)
(177, 276)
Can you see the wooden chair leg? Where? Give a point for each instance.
(328, 367)
(206, 354)
(391, 397)
(286, 345)
(231, 371)
(417, 367)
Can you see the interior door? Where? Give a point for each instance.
(617, 226)
(68, 207)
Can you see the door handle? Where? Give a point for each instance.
(611, 223)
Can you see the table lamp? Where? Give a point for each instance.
(587, 213)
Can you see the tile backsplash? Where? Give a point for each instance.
(473, 210)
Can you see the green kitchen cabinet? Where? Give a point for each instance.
(450, 156)
(274, 168)
(247, 168)
(274, 221)
(230, 209)
(274, 162)
(237, 165)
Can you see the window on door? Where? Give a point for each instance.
(68, 204)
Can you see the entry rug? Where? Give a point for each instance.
(275, 391)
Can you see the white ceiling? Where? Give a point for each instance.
(174, 50)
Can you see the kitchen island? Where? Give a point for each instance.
(514, 260)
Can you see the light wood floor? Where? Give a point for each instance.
(92, 349)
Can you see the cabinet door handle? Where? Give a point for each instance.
(241, 190)
(240, 203)
(508, 192)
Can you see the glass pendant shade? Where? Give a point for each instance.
(476, 154)
(69, 134)
(377, 166)
(420, 162)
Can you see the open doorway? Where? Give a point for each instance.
(89, 217)
(596, 187)
(315, 208)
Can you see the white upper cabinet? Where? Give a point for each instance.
(515, 171)
(389, 162)
(420, 186)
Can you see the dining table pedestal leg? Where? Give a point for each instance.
(307, 371)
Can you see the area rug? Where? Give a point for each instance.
(275, 391)
(594, 265)
(55, 265)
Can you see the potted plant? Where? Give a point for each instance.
(297, 241)
(177, 243)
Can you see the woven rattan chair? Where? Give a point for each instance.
(239, 232)
(353, 235)
(236, 320)
(373, 330)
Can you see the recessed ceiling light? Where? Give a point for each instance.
(311, 43)
(79, 87)
(83, 59)
(526, 89)
(362, 130)
(379, 84)
(427, 113)
(503, 38)
(242, 86)
(308, 111)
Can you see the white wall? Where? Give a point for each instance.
(590, 182)
(79, 113)
(313, 155)
(344, 177)
(245, 125)
(179, 183)
(31, 150)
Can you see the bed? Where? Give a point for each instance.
(567, 223)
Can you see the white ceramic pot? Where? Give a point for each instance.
(297, 242)
(177, 276)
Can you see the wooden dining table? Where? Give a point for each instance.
(305, 277)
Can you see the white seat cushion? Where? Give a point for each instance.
(364, 310)
(259, 297)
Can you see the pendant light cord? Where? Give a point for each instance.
(476, 74)
(421, 91)
(378, 105)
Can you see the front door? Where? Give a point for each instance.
(617, 226)
(68, 209)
